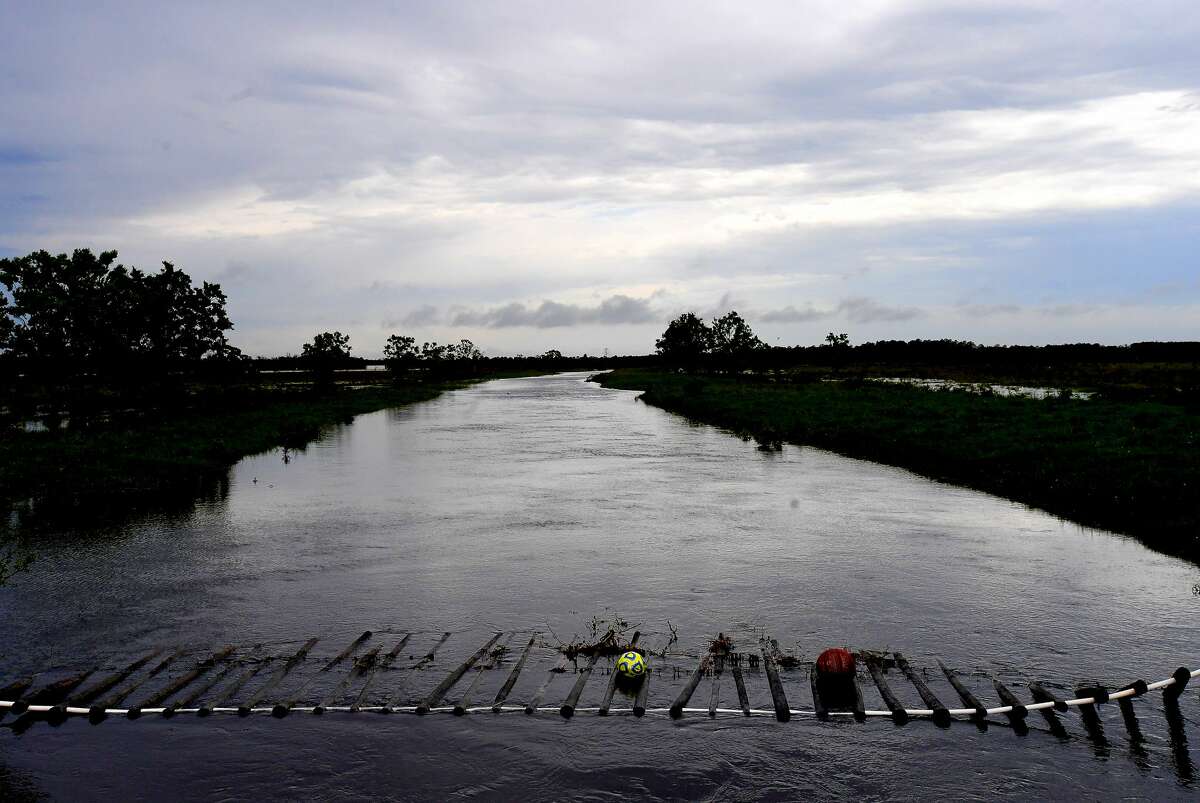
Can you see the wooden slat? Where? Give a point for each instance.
(535, 702)
(385, 663)
(567, 709)
(740, 683)
(899, 714)
(966, 695)
(818, 704)
(606, 702)
(460, 708)
(782, 711)
(180, 683)
(506, 689)
(1018, 714)
(277, 677)
(941, 715)
(1041, 695)
(357, 670)
(435, 696)
(685, 694)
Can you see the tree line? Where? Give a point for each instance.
(330, 351)
(83, 313)
(87, 312)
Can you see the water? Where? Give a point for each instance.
(539, 503)
(984, 388)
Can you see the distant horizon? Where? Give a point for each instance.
(356, 354)
(534, 176)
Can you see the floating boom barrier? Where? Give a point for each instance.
(393, 671)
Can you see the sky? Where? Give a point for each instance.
(572, 176)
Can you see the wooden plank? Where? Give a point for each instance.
(51, 693)
(818, 704)
(639, 703)
(1091, 717)
(282, 707)
(567, 709)
(1041, 695)
(440, 690)
(1181, 676)
(344, 654)
(385, 663)
(1127, 713)
(685, 694)
(966, 695)
(201, 690)
(109, 682)
(606, 703)
(506, 689)
(180, 683)
(535, 702)
(714, 695)
(1018, 714)
(899, 714)
(13, 691)
(493, 658)
(740, 683)
(782, 712)
(357, 670)
(97, 712)
(860, 708)
(241, 680)
(941, 715)
(276, 678)
(1177, 740)
(428, 657)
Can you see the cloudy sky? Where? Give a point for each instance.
(570, 175)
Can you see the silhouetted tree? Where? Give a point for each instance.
(734, 342)
(837, 341)
(326, 353)
(7, 325)
(838, 346)
(400, 353)
(432, 353)
(465, 351)
(84, 312)
(686, 340)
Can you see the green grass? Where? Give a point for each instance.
(1130, 467)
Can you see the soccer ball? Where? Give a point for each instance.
(631, 664)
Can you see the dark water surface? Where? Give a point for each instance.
(535, 504)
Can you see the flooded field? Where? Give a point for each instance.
(534, 505)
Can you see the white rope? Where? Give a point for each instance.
(443, 709)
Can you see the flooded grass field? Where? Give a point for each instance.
(535, 505)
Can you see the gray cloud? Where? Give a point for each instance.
(790, 314)
(422, 316)
(1067, 310)
(864, 310)
(988, 310)
(617, 309)
(856, 309)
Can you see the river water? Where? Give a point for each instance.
(538, 504)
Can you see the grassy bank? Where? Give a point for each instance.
(1131, 467)
(166, 459)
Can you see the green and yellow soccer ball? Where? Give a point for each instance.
(631, 665)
